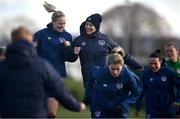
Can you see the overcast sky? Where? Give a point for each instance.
(77, 10)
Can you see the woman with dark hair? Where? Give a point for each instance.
(92, 46)
(157, 83)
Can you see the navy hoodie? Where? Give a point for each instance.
(104, 92)
(25, 80)
(51, 47)
(94, 50)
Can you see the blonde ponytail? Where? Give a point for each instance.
(51, 8)
(119, 50)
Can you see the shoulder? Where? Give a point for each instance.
(40, 32)
(146, 73)
(44, 63)
(98, 71)
(45, 69)
(129, 74)
(178, 62)
(41, 64)
(128, 71)
(103, 36)
(166, 69)
(78, 39)
(67, 34)
(107, 39)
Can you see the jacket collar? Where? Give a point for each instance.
(50, 27)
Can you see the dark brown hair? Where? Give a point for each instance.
(16, 33)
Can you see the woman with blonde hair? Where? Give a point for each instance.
(54, 45)
(111, 89)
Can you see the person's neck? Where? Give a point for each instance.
(93, 34)
(174, 60)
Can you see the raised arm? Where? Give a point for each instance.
(55, 87)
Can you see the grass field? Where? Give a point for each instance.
(76, 89)
(64, 113)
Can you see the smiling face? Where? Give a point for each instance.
(115, 69)
(59, 24)
(172, 52)
(154, 64)
(89, 28)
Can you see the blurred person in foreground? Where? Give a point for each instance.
(54, 44)
(158, 83)
(111, 89)
(26, 80)
(2, 53)
(172, 51)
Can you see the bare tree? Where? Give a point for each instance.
(14, 22)
(129, 24)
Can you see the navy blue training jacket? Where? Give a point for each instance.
(94, 50)
(51, 47)
(158, 91)
(104, 92)
(25, 80)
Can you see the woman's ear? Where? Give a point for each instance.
(163, 60)
(177, 51)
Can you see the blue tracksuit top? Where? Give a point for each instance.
(94, 50)
(51, 47)
(158, 90)
(25, 80)
(106, 92)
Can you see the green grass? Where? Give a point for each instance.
(76, 89)
(64, 113)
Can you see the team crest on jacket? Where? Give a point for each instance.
(61, 40)
(119, 86)
(83, 43)
(105, 85)
(49, 38)
(101, 42)
(163, 78)
(97, 113)
(151, 79)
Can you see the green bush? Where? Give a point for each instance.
(75, 88)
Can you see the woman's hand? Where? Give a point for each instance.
(35, 44)
(77, 50)
(83, 106)
(67, 43)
